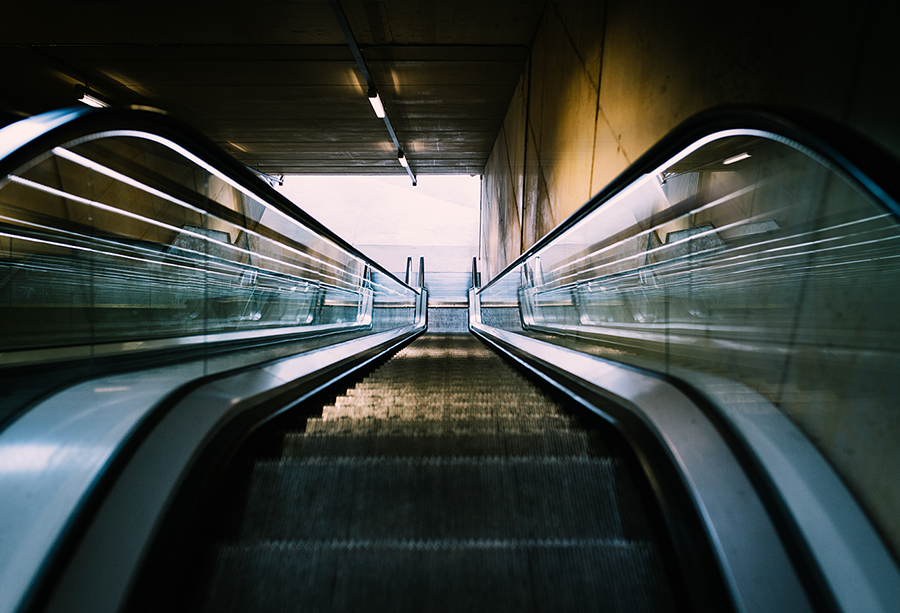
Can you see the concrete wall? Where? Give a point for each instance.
(605, 81)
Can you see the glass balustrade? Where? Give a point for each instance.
(745, 258)
(124, 240)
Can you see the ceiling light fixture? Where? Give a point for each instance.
(375, 101)
(372, 94)
(83, 94)
(736, 158)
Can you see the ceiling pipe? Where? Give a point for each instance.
(372, 93)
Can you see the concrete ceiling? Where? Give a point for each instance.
(275, 82)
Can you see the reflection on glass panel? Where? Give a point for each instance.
(748, 259)
(129, 238)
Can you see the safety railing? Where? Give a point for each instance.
(124, 232)
(757, 261)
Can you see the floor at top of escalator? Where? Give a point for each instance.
(443, 481)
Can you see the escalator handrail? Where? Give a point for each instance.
(861, 161)
(112, 423)
(699, 482)
(845, 561)
(29, 138)
(841, 560)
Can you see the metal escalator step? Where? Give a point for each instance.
(461, 392)
(451, 372)
(438, 368)
(508, 402)
(561, 443)
(421, 383)
(423, 393)
(434, 360)
(496, 576)
(442, 482)
(442, 379)
(429, 498)
(451, 425)
(427, 411)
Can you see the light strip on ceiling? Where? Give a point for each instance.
(375, 101)
(374, 98)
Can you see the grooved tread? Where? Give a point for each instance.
(562, 443)
(414, 410)
(449, 425)
(437, 398)
(415, 498)
(517, 578)
(443, 482)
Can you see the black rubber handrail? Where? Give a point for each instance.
(866, 164)
(83, 122)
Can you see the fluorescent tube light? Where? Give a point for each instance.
(375, 101)
(94, 102)
(736, 158)
(402, 159)
(83, 95)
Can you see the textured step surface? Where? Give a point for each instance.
(450, 425)
(466, 498)
(496, 576)
(562, 443)
(444, 481)
(437, 410)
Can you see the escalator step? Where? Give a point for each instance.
(418, 410)
(441, 576)
(436, 498)
(441, 394)
(449, 425)
(445, 377)
(560, 443)
(444, 481)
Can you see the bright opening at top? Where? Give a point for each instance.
(388, 219)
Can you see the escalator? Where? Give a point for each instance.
(444, 481)
(678, 400)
